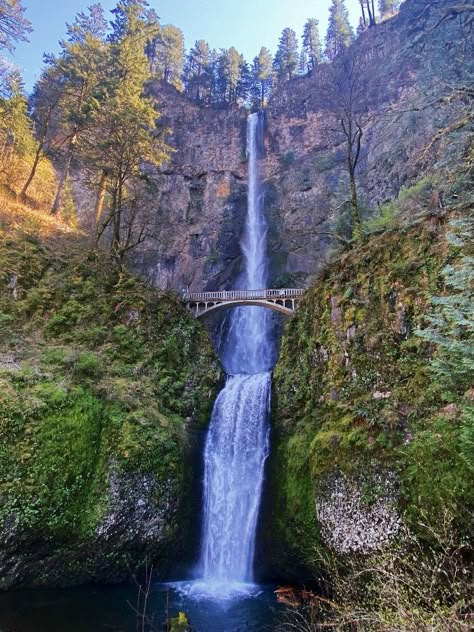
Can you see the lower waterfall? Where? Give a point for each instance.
(235, 455)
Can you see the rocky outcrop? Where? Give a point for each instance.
(405, 75)
(201, 195)
(104, 385)
(362, 439)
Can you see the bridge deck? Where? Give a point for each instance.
(281, 300)
(241, 295)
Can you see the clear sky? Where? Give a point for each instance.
(245, 24)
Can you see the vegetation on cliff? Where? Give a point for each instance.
(374, 416)
(100, 379)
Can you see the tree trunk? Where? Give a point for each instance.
(39, 151)
(363, 12)
(99, 206)
(58, 200)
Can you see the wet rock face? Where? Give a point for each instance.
(133, 515)
(201, 196)
(139, 523)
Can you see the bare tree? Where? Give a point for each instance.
(345, 96)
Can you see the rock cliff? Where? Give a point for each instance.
(366, 442)
(409, 70)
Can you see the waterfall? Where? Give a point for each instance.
(238, 439)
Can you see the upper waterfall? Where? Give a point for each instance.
(248, 347)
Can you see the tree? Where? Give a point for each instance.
(166, 54)
(14, 27)
(122, 141)
(388, 7)
(285, 63)
(262, 77)
(451, 319)
(230, 68)
(82, 68)
(44, 103)
(312, 47)
(171, 55)
(197, 72)
(340, 34)
(16, 132)
(368, 6)
(345, 96)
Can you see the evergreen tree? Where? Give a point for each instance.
(231, 64)
(312, 50)
(198, 77)
(451, 319)
(14, 27)
(285, 63)
(262, 77)
(82, 67)
(169, 55)
(123, 137)
(303, 63)
(340, 34)
(15, 124)
(16, 131)
(244, 85)
(388, 7)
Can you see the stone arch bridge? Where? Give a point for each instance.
(283, 301)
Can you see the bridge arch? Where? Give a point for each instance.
(276, 307)
(283, 301)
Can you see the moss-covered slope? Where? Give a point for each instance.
(100, 378)
(364, 439)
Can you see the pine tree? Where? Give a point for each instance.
(262, 77)
(16, 131)
(388, 7)
(170, 55)
(122, 138)
(197, 72)
(285, 63)
(312, 51)
(82, 68)
(14, 27)
(244, 85)
(340, 34)
(231, 64)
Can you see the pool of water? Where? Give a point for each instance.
(235, 608)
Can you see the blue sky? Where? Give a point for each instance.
(245, 24)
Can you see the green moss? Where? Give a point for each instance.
(111, 375)
(352, 388)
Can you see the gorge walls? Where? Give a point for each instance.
(408, 74)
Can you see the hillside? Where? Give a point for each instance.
(101, 380)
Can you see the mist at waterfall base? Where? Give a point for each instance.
(221, 595)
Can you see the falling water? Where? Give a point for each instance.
(238, 439)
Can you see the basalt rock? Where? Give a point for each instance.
(406, 63)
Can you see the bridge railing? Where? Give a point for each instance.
(240, 295)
